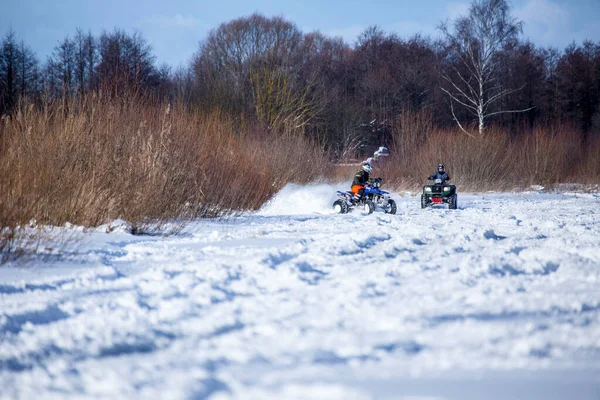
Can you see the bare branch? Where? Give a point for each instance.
(501, 94)
(453, 97)
(510, 111)
(467, 83)
(458, 123)
(460, 91)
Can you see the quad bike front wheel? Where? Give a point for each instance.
(453, 202)
(424, 201)
(369, 206)
(391, 207)
(340, 207)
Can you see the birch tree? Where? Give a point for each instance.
(469, 76)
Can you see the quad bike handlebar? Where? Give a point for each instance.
(376, 183)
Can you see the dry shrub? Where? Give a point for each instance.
(546, 156)
(495, 160)
(474, 163)
(410, 131)
(343, 173)
(95, 159)
(294, 160)
(589, 168)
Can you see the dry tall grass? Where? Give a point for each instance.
(495, 161)
(588, 169)
(499, 161)
(96, 159)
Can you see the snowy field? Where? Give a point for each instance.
(499, 299)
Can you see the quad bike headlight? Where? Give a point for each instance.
(428, 189)
(446, 189)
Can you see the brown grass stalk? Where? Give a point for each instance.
(94, 159)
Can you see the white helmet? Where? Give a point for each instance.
(367, 168)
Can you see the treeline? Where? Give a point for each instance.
(265, 70)
(81, 64)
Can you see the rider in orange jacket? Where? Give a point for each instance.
(360, 180)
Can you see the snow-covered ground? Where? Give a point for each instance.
(499, 299)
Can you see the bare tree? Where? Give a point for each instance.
(578, 74)
(91, 60)
(62, 62)
(125, 62)
(27, 72)
(474, 48)
(9, 52)
(252, 66)
(19, 75)
(85, 60)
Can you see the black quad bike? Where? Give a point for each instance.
(439, 193)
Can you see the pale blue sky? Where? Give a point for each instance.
(174, 28)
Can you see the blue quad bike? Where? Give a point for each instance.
(373, 199)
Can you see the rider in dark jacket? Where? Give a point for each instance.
(360, 180)
(440, 174)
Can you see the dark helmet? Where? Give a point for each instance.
(441, 168)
